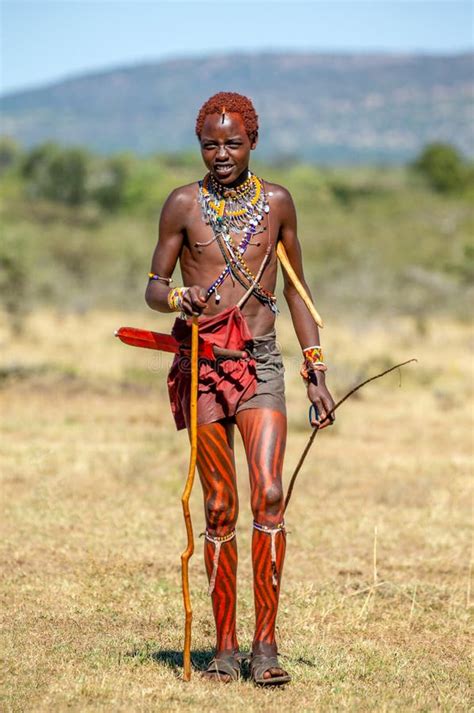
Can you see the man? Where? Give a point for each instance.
(224, 231)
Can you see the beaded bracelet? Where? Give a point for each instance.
(154, 276)
(313, 361)
(313, 355)
(175, 298)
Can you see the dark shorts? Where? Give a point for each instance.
(270, 391)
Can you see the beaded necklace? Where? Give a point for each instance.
(236, 207)
(239, 209)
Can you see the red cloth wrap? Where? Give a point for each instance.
(223, 383)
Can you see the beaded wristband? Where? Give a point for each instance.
(313, 355)
(313, 361)
(175, 298)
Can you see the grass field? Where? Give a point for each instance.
(376, 593)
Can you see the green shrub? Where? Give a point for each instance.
(444, 168)
(56, 173)
(108, 182)
(10, 153)
(14, 261)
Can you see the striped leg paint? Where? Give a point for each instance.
(267, 568)
(217, 473)
(264, 435)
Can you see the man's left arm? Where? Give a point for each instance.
(306, 328)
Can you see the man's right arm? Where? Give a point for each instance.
(170, 241)
(171, 234)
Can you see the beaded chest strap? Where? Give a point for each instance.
(240, 209)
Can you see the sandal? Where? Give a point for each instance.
(259, 664)
(224, 665)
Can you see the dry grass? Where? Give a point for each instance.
(375, 603)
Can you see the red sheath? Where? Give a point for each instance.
(155, 340)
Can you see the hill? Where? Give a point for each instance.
(317, 107)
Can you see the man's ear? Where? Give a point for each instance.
(254, 141)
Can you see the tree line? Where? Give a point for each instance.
(74, 176)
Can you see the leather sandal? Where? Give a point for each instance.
(259, 664)
(224, 665)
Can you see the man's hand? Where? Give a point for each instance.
(321, 399)
(194, 301)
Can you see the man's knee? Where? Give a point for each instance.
(221, 518)
(268, 502)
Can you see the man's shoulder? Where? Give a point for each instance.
(182, 196)
(180, 205)
(280, 196)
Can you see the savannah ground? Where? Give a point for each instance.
(376, 594)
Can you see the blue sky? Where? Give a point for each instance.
(43, 41)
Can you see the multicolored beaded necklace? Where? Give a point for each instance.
(239, 209)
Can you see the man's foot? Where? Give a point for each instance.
(224, 667)
(265, 669)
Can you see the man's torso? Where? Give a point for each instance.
(202, 264)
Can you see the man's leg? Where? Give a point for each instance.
(216, 468)
(264, 436)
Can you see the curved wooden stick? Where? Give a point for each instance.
(283, 257)
(316, 428)
(188, 552)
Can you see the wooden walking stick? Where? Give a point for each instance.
(188, 552)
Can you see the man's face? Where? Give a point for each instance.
(225, 147)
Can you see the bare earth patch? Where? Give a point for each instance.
(376, 594)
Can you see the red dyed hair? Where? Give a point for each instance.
(233, 103)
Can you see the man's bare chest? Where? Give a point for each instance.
(204, 249)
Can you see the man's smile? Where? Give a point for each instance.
(223, 169)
